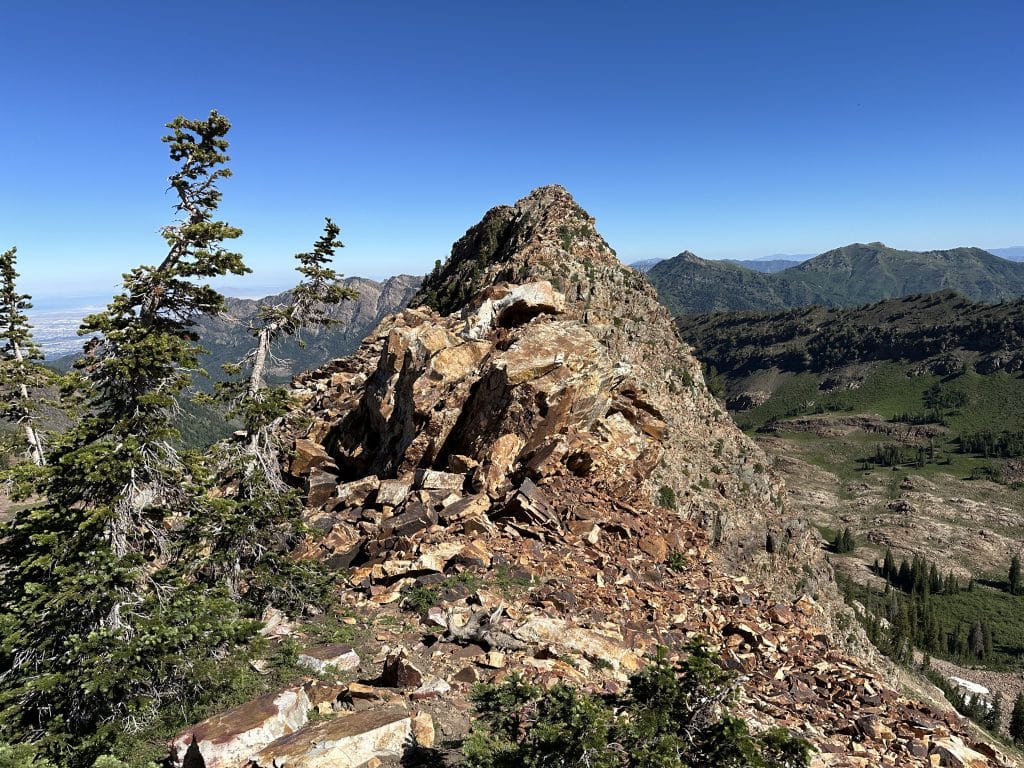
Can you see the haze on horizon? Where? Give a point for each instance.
(731, 130)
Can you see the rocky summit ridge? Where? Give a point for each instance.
(524, 471)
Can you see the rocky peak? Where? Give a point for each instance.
(714, 472)
(550, 441)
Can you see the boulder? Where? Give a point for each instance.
(399, 672)
(392, 493)
(432, 480)
(356, 492)
(320, 487)
(347, 741)
(309, 455)
(542, 630)
(321, 657)
(953, 753)
(423, 729)
(228, 739)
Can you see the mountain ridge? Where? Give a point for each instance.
(854, 274)
(534, 412)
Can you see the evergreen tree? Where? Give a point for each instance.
(100, 620)
(18, 357)
(905, 577)
(245, 528)
(934, 579)
(1014, 579)
(888, 566)
(1016, 729)
(994, 716)
(308, 307)
(976, 640)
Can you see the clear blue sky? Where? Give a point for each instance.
(733, 129)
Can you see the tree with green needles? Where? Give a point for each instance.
(100, 620)
(19, 357)
(320, 288)
(1014, 579)
(1016, 729)
(245, 528)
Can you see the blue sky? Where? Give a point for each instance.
(732, 129)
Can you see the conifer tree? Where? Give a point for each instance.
(245, 529)
(308, 307)
(18, 356)
(100, 623)
(1014, 579)
(994, 716)
(888, 565)
(1016, 729)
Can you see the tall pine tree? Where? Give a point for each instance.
(1016, 729)
(100, 623)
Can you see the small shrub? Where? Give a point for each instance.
(420, 598)
(666, 497)
(676, 561)
(670, 717)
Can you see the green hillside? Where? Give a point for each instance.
(939, 361)
(854, 274)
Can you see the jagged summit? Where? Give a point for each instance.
(526, 472)
(546, 235)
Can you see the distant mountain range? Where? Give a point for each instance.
(1013, 253)
(855, 274)
(226, 337)
(774, 263)
(765, 265)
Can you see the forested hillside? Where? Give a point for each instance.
(854, 274)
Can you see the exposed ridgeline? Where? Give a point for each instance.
(855, 274)
(547, 236)
(491, 469)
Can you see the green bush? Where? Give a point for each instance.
(666, 497)
(670, 717)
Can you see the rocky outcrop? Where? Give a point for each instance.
(342, 742)
(482, 473)
(601, 367)
(228, 739)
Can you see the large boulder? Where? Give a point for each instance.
(228, 739)
(347, 741)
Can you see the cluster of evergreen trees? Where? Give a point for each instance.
(844, 541)
(126, 585)
(907, 617)
(993, 445)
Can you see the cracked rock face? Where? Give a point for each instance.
(533, 332)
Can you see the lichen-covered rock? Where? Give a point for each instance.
(342, 742)
(228, 739)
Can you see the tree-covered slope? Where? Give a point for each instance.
(855, 274)
(689, 285)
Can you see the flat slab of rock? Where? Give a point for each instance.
(391, 493)
(226, 740)
(541, 630)
(432, 480)
(343, 742)
(319, 658)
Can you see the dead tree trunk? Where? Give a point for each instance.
(35, 444)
